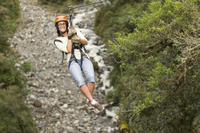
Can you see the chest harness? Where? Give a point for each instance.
(78, 46)
(82, 51)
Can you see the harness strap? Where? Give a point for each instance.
(63, 54)
(77, 46)
(84, 48)
(81, 57)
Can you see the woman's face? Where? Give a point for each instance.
(62, 26)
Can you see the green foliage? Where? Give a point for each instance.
(59, 5)
(58, 1)
(9, 12)
(27, 67)
(14, 115)
(156, 67)
(119, 16)
(9, 74)
(95, 64)
(159, 74)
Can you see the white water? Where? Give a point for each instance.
(94, 50)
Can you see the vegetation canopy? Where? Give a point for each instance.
(14, 115)
(156, 49)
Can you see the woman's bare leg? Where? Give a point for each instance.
(84, 89)
(86, 92)
(91, 86)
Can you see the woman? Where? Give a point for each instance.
(71, 42)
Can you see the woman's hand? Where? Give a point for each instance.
(83, 41)
(77, 39)
(72, 31)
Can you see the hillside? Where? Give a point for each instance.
(155, 50)
(14, 115)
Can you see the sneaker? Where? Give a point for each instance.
(98, 106)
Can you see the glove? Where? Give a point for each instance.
(76, 39)
(72, 31)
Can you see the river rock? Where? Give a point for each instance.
(37, 103)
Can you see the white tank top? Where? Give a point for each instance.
(61, 44)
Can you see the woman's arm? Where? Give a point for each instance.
(62, 44)
(83, 41)
(69, 45)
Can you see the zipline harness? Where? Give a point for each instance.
(78, 46)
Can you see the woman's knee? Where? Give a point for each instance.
(90, 78)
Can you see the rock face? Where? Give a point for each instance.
(56, 103)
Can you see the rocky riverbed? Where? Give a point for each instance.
(55, 101)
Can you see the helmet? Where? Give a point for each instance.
(60, 18)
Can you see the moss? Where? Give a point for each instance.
(95, 64)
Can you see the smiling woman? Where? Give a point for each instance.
(72, 41)
(62, 26)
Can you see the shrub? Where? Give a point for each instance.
(27, 67)
(156, 72)
(14, 115)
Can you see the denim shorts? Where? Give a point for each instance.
(76, 72)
